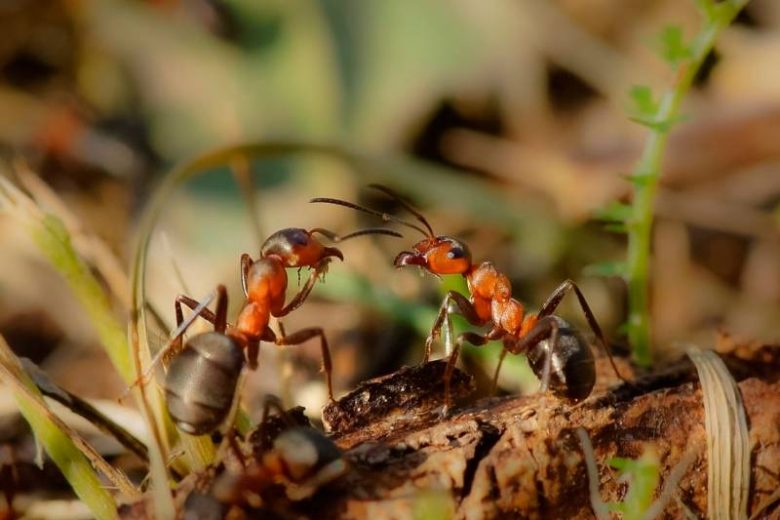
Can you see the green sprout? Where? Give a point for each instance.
(658, 115)
(642, 475)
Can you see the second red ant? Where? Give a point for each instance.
(557, 352)
(203, 373)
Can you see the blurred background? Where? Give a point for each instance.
(504, 122)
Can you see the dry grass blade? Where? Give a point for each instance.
(728, 447)
(90, 247)
(65, 447)
(53, 240)
(84, 409)
(600, 509)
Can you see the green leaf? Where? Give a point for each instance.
(606, 269)
(672, 48)
(614, 212)
(644, 107)
(723, 12)
(640, 180)
(706, 8)
(658, 125)
(642, 476)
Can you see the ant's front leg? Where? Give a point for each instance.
(466, 309)
(246, 263)
(299, 298)
(475, 339)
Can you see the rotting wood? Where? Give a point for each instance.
(519, 457)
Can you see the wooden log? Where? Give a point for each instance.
(520, 457)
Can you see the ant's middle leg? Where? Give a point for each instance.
(504, 351)
(466, 309)
(473, 338)
(301, 336)
(546, 328)
(555, 299)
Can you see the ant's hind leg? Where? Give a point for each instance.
(175, 343)
(555, 299)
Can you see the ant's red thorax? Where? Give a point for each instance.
(491, 295)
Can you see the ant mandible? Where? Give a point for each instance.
(557, 352)
(203, 374)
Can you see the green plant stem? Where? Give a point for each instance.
(648, 172)
(58, 444)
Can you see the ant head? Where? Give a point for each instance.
(296, 247)
(439, 255)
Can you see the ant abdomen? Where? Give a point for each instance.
(201, 382)
(573, 368)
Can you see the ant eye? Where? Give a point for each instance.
(299, 238)
(455, 253)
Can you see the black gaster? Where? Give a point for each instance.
(573, 371)
(201, 382)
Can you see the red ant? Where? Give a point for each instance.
(203, 374)
(556, 351)
(288, 454)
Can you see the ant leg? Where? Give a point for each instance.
(299, 298)
(271, 401)
(475, 339)
(301, 336)
(555, 299)
(246, 263)
(545, 328)
(175, 342)
(466, 309)
(199, 309)
(494, 386)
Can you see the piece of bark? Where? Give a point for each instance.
(519, 457)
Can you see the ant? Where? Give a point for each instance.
(556, 351)
(203, 373)
(292, 454)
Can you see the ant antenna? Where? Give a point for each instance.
(384, 216)
(403, 202)
(368, 231)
